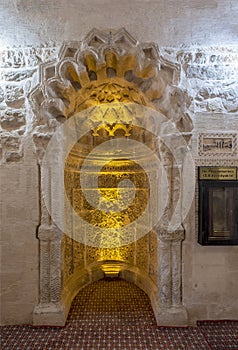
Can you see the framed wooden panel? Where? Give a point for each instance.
(218, 212)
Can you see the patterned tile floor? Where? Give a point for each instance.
(116, 315)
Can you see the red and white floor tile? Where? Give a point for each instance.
(117, 315)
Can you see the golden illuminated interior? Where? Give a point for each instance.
(109, 212)
(122, 189)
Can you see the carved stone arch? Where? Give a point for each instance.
(64, 83)
(107, 67)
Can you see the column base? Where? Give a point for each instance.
(49, 315)
(174, 316)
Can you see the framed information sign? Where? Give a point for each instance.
(218, 206)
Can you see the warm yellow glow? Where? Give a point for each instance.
(111, 254)
(117, 206)
(111, 269)
(106, 182)
(113, 129)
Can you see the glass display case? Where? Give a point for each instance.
(218, 207)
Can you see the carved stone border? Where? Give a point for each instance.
(55, 99)
(231, 148)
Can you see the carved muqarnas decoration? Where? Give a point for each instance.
(109, 69)
(106, 68)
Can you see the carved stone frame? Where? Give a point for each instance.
(61, 81)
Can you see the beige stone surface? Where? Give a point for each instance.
(193, 21)
(19, 246)
(210, 281)
(201, 37)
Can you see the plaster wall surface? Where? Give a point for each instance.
(19, 246)
(168, 22)
(33, 31)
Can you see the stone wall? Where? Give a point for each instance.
(202, 22)
(208, 62)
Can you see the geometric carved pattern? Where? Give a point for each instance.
(105, 68)
(108, 68)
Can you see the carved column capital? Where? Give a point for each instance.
(49, 233)
(164, 235)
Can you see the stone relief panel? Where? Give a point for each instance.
(212, 75)
(25, 58)
(209, 74)
(208, 77)
(219, 97)
(17, 69)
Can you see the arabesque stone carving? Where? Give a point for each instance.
(109, 68)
